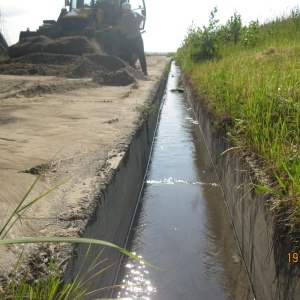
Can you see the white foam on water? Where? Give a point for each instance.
(193, 121)
(171, 180)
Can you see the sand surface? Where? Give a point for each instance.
(69, 130)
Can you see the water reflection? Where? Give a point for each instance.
(135, 284)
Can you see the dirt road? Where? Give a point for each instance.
(71, 129)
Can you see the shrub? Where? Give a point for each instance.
(202, 44)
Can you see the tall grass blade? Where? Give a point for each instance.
(20, 210)
(30, 240)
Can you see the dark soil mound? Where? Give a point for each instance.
(118, 78)
(46, 59)
(66, 45)
(110, 63)
(71, 57)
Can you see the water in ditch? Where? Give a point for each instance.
(181, 223)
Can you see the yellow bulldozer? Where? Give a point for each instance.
(90, 18)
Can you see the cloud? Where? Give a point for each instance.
(9, 11)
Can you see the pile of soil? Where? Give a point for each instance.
(71, 57)
(78, 45)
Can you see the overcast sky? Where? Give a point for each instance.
(167, 20)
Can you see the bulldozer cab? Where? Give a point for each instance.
(79, 4)
(137, 6)
(95, 16)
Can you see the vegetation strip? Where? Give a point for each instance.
(248, 78)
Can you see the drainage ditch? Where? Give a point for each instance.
(181, 224)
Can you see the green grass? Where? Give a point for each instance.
(256, 86)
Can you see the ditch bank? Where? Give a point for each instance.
(268, 262)
(89, 143)
(116, 204)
